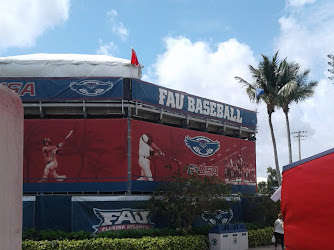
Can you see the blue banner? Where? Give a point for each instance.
(28, 206)
(53, 213)
(65, 89)
(98, 214)
(101, 213)
(111, 213)
(185, 103)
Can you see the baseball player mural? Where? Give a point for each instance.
(49, 153)
(237, 170)
(147, 149)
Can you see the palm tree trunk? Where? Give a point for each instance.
(289, 134)
(278, 172)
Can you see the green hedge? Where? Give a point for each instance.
(260, 237)
(38, 235)
(51, 239)
(170, 242)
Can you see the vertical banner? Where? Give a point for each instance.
(158, 151)
(28, 211)
(53, 212)
(75, 151)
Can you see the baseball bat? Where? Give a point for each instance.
(169, 157)
(69, 134)
(173, 159)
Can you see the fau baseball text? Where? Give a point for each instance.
(199, 106)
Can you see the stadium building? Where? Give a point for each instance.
(97, 139)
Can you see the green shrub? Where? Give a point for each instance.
(133, 238)
(260, 237)
(154, 232)
(32, 234)
(38, 235)
(254, 226)
(259, 209)
(170, 242)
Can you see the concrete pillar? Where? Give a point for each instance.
(11, 169)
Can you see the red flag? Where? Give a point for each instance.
(134, 59)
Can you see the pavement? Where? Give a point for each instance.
(270, 247)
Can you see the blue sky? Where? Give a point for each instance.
(194, 46)
(90, 25)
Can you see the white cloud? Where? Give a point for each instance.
(199, 69)
(106, 48)
(117, 26)
(23, 21)
(306, 37)
(299, 3)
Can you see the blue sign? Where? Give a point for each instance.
(101, 213)
(182, 102)
(65, 89)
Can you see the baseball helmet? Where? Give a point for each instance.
(47, 140)
(147, 138)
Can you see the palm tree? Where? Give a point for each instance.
(268, 76)
(294, 88)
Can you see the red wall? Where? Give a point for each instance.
(171, 142)
(95, 152)
(307, 204)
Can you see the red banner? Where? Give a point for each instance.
(156, 146)
(75, 150)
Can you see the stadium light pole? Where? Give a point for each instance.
(331, 63)
(300, 135)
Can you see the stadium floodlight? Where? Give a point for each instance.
(331, 63)
(300, 135)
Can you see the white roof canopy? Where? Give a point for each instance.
(67, 65)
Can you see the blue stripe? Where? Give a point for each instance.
(311, 158)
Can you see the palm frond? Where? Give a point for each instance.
(250, 89)
(294, 86)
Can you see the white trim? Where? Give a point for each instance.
(29, 198)
(112, 198)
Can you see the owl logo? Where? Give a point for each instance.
(202, 146)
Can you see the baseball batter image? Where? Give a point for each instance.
(49, 153)
(147, 149)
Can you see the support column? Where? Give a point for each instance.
(11, 169)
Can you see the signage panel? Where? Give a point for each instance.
(186, 103)
(69, 151)
(65, 89)
(154, 147)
